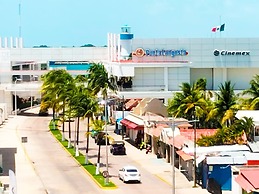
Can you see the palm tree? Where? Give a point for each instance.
(89, 106)
(191, 101)
(100, 81)
(226, 104)
(245, 125)
(98, 126)
(53, 88)
(78, 104)
(65, 95)
(253, 92)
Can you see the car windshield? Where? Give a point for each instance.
(132, 170)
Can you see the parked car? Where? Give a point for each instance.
(118, 148)
(129, 174)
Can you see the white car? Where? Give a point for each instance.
(129, 173)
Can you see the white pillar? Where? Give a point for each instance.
(16, 42)
(11, 42)
(5, 42)
(166, 79)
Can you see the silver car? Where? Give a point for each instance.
(129, 174)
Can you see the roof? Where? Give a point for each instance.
(226, 160)
(183, 155)
(189, 133)
(177, 141)
(244, 183)
(247, 179)
(254, 146)
(217, 149)
(254, 114)
(135, 119)
(131, 124)
(131, 103)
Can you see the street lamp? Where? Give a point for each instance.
(15, 96)
(171, 123)
(194, 153)
(106, 141)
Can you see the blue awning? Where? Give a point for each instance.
(118, 121)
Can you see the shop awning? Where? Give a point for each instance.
(135, 119)
(247, 179)
(118, 121)
(131, 124)
(177, 141)
(244, 183)
(183, 155)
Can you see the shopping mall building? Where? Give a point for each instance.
(144, 67)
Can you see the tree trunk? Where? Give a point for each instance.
(98, 161)
(63, 126)
(87, 141)
(69, 133)
(77, 137)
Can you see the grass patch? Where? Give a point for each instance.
(90, 168)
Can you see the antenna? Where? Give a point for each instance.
(20, 19)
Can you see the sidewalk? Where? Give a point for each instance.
(158, 167)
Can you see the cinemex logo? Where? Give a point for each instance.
(140, 52)
(225, 52)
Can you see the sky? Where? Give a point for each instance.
(57, 23)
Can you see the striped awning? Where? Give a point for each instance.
(131, 125)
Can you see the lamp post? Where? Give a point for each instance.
(171, 123)
(173, 158)
(106, 141)
(194, 153)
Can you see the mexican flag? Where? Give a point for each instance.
(218, 28)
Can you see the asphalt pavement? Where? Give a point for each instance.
(158, 167)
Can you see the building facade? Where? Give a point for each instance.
(153, 68)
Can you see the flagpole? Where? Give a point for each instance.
(220, 26)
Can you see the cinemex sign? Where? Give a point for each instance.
(232, 53)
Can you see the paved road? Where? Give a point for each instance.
(150, 183)
(51, 169)
(42, 166)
